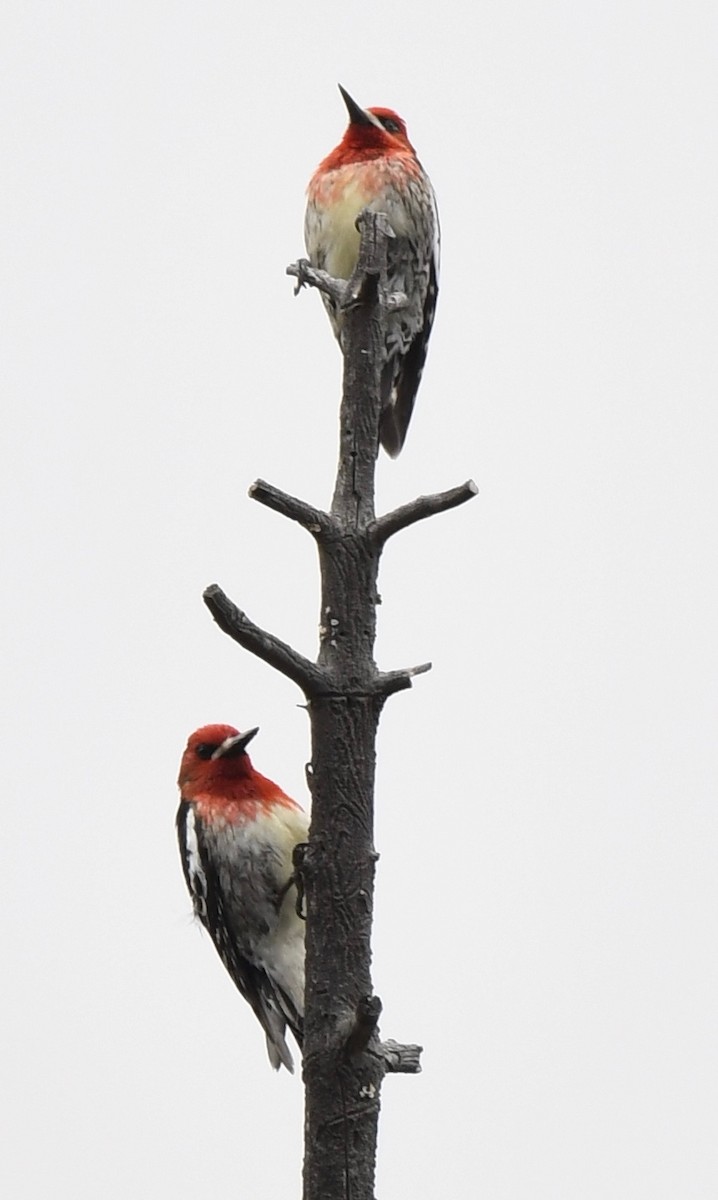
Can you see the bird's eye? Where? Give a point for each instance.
(205, 750)
(389, 125)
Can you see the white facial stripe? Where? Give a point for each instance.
(228, 741)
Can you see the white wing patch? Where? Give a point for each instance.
(195, 870)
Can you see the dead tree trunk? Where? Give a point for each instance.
(344, 1059)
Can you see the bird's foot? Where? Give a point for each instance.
(299, 854)
(296, 879)
(393, 301)
(308, 276)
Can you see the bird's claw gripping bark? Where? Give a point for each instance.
(297, 879)
(308, 276)
(393, 301)
(301, 270)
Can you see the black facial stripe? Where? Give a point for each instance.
(205, 750)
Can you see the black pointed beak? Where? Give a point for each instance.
(232, 747)
(357, 115)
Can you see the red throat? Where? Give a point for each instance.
(237, 799)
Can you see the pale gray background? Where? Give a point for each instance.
(546, 797)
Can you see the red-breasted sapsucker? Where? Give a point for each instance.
(375, 167)
(237, 831)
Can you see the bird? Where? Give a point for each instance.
(375, 167)
(237, 831)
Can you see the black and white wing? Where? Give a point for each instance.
(413, 268)
(272, 1007)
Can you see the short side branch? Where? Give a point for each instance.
(366, 1022)
(386, 683)
(400, 1060)
(266, 646)
(312, 519)
(417, 510)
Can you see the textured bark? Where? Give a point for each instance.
(342, 1092)
(344, 1060)
(342, 1089)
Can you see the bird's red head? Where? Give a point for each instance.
(215, 757)
(371, 133)
(392, 124)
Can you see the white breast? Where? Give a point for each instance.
(331, 235)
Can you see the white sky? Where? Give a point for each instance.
(547, 795)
